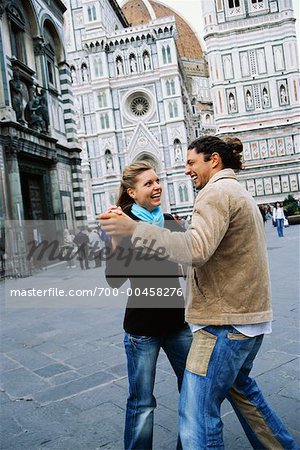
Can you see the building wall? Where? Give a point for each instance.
(38, 141)
(254, 74)
(131, 102)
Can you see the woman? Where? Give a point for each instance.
(278, 217)
(152, 321)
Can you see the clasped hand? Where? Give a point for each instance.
(116, 223)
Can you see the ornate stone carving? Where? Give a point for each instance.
(16, 92)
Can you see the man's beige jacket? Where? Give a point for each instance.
(228, 279)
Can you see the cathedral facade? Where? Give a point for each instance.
(140, 85)
(144, 89)
(254, 72)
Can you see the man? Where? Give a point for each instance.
(82, 241)
(227, 301)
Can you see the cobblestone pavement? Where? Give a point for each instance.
(63, 371)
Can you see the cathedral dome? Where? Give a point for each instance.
(138, 12)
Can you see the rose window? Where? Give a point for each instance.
(139, 106)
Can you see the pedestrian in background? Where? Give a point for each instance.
(69, 248)
(82, 241)
(278, 217)
(95, 243)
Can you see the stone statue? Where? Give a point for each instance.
(266, 100)
(249, 101)
(232, 105)
(43, 110)
(147, 64)
(84, 73)
(33, 114)
(74, 75)
(178, 152)
(283, 97)
(120, 69)
(109, 162)
(133, 67)
(17, 95)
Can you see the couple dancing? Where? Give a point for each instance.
(228, 303)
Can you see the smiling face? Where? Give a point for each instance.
(147, 190)
(200, 170)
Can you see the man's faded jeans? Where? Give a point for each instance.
(142, 353)
(218, 366)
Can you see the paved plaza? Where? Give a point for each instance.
(63, 371)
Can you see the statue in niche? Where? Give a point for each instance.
(109, 162)
(266, 99)
(33, 114)
(132, 63)
(74, 75)
(232, 104)
(84, 73)
(178, 151)
(283, 97)
(17, 95)
(249, 101)
(147, 64)
(43, 110)
(120, 68)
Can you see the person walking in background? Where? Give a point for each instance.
(154, 319)
(95, 242)
(228, 298)
(68, 249)
(278, 217)
(82, 241)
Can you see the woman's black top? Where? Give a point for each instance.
(156, 304)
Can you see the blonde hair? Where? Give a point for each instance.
(128, 180)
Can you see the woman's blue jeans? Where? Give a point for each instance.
(218, 366)
(280, 227)
(142, 353)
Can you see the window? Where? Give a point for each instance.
(173, 109)
(102, 99)
(17, 28)
(98, 67)
(104, 121)
(183, 193)
(139, 106)
(233, 3)
(170, 85)
(91, 13)
(50, 72)
(166, 54)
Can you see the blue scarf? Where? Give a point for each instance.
(155, 217)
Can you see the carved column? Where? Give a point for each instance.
(55, 192)
(17, 264)
(15, 201)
